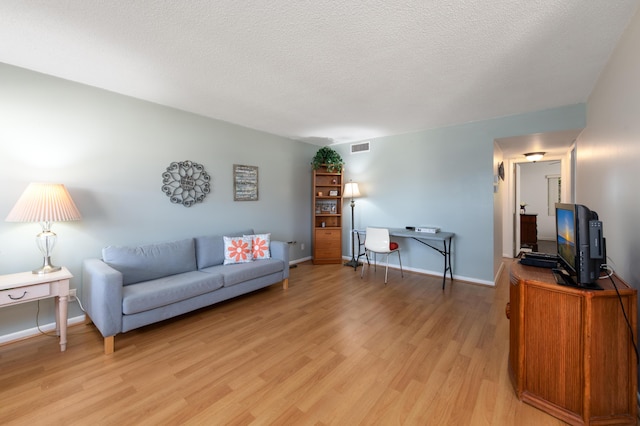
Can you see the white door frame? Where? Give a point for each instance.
(511, 209)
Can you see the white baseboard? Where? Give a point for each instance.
(438, 274)
(31, 332)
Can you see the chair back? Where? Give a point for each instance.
(377, 240)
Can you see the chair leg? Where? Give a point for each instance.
(386, 271)
(368, 263)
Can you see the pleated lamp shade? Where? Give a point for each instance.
(44, 202)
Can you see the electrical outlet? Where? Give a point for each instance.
(72, 294)
(302, 246)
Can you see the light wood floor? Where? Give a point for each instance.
(331, 350)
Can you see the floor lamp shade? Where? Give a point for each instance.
(45, 203)
(351, 190)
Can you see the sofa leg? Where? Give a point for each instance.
(109, 345)
(285, 283)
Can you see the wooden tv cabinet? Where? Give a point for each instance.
(570, 350)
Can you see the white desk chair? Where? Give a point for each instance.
(377, 241)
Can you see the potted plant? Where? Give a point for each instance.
(330, 158)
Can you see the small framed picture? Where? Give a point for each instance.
(333, 193)
(245, 183)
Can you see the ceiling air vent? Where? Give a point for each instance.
(357, 148)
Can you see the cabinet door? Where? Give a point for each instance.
(614, 388)
(553, 347)
(516, 336)
(328, 246)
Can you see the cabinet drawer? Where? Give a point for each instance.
(22, 294)
(329, 237)
(326, 254)
(332, 245)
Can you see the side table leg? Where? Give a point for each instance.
(61, 326)
(57, 315)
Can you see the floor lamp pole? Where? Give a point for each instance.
(353, 262)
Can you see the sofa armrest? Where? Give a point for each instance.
(102, 296)
(280, 250)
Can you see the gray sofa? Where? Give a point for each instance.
(131, 287)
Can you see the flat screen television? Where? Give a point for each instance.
(581, 244)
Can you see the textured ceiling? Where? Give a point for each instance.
(324, 71)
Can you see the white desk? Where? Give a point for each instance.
(26, 287)
(430, 240)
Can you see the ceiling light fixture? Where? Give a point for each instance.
(534, 156)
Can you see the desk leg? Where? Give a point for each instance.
(449, 256)
(61, 320)
(356, 262)
(444, 275)
(447, 263)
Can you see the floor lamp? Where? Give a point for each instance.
(351, 191)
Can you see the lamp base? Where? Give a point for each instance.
(353, 263)
(46, 268)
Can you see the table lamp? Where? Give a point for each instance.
(45, 203)
(351, 191)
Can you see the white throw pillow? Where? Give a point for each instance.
(260, 246)
(237, 250)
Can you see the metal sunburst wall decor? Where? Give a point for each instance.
(186, 183)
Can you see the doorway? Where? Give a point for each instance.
(538, 186)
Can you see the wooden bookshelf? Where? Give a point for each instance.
(327, 216)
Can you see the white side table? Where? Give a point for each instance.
(26, 287)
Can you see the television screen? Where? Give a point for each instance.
(566, 235)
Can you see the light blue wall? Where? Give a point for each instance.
(444, 178)
(110, 151)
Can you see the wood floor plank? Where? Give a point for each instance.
(333, 349)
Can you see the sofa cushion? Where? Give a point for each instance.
(167, 290)
(260, 246)
(151, 261)
(210, 248)
(241, 272)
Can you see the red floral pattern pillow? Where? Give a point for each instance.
(260, 244)
(237, 250)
